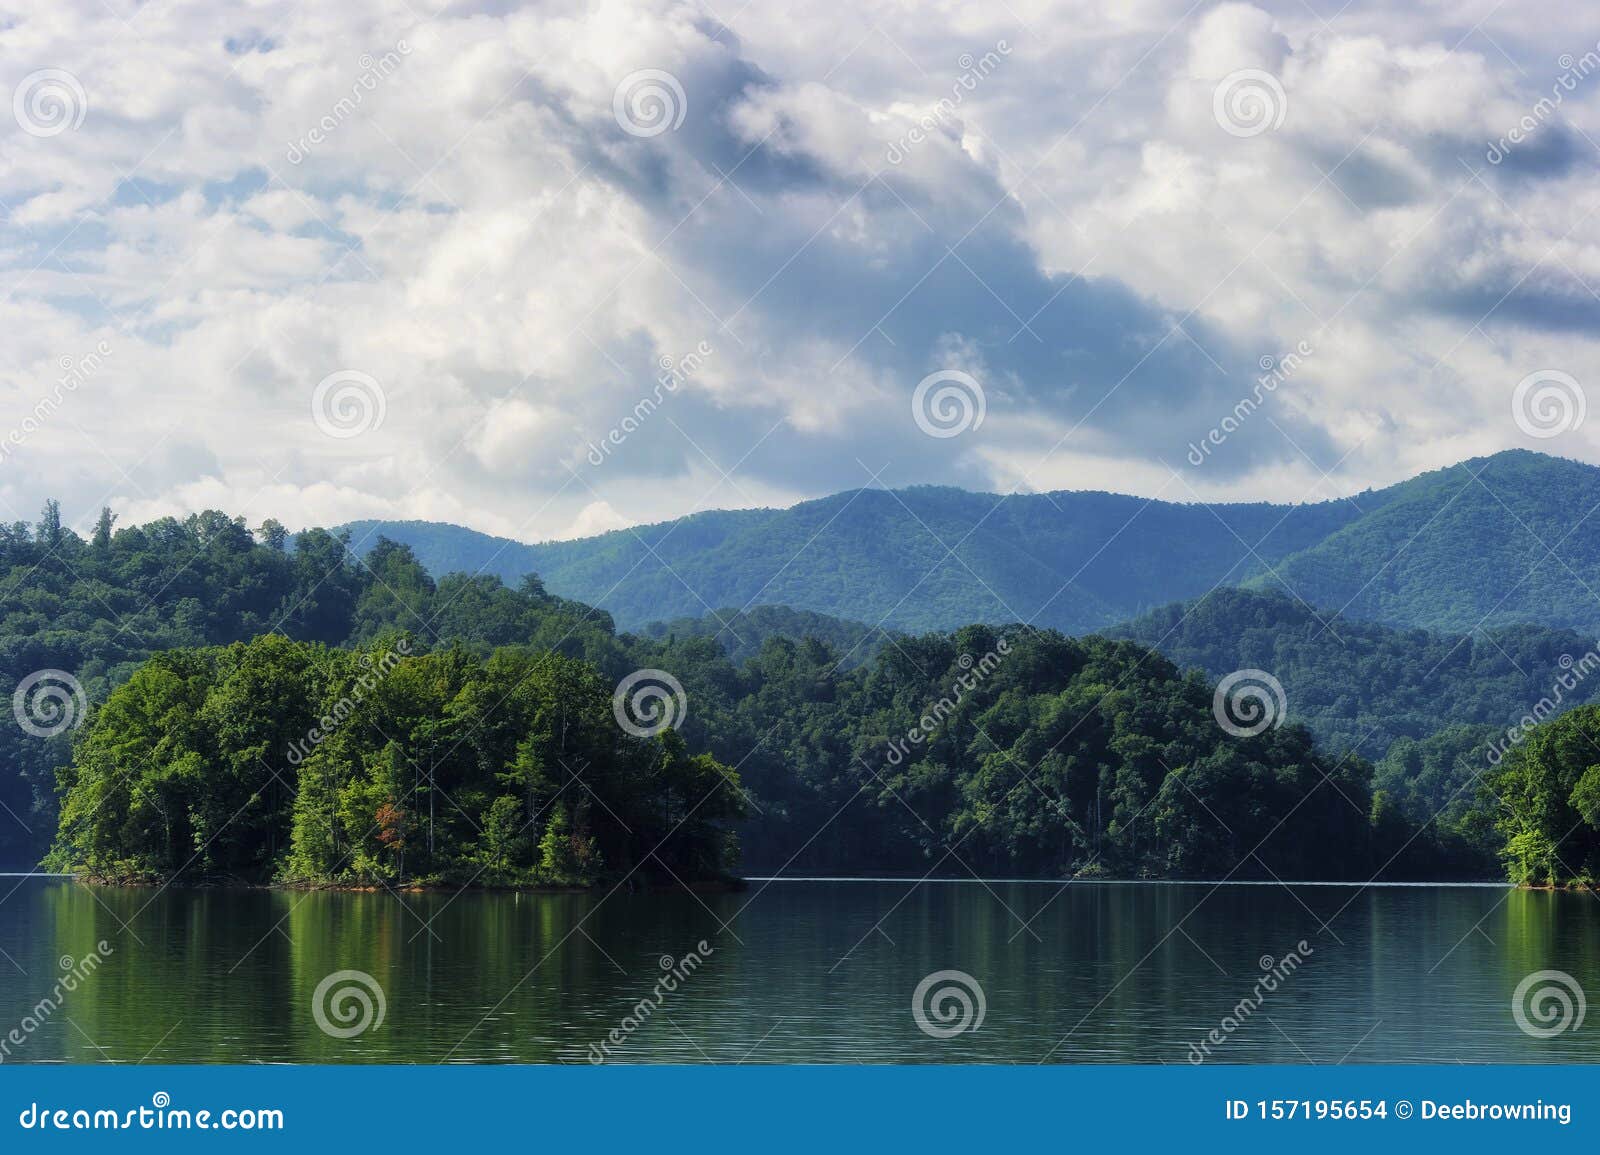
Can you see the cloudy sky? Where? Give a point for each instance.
(320, 262)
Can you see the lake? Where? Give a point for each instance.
(817, 971)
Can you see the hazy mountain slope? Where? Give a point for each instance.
(1493, 541)
(916, 559)
(446, 549)
(1448, 550)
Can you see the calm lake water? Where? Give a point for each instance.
(797, 971)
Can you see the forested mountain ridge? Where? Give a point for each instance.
(1363, 685)
(1495, 541)
(805, 705)
(1031, 752)
(446, 549)
(1502, 540)
(914, 559)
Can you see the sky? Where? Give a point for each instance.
(548, 270)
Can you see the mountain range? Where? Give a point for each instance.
(1489, 542)
(1410, 625)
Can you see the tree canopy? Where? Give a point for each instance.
(284, 760)
(209, 653)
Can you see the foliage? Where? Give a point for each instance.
(1363, 686)
(1434, 785)
(1087, 755)
(915, 559)
(1067, 756)
(1491, 542)
(438, 767)
(1546, 798)
(99, 608)
(741, 633)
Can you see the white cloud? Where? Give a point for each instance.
(596, 517)
(844, 208)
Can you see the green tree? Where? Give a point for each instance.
(1547, 795)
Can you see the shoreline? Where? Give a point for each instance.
(736, 884)
(1071, 881)
(705, 886)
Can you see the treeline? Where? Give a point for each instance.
(1430, 707)
(1366, 686)
(283, 760)
(1039, 755)
(1034, 754)
(1014, 752)
(741, 633)
(1544, 794)
(97, 607)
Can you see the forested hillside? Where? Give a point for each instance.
(1362, 685)
(1035, 754)
(1065, 756)
(1503, 540)
(1028, 751)
(1012, 752)
(742, 632)
(1490, 542)
(446, 549)
(96, 608)
(280, 760)
(916, 559)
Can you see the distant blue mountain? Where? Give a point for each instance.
(1493, 541)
